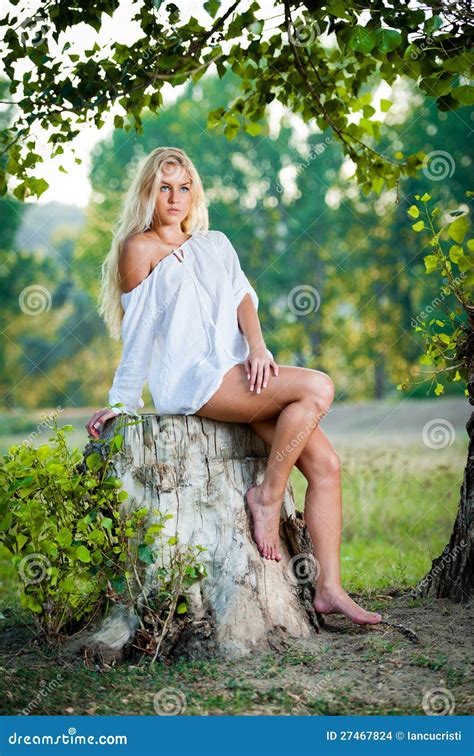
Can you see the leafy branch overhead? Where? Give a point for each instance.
(316, 59)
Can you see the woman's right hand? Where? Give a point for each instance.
(93, 427)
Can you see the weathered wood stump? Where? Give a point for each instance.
(198, 470)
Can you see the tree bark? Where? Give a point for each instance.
(198, 470)
(452, 573)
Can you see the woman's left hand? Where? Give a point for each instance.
(257, 365)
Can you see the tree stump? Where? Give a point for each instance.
(198, 470)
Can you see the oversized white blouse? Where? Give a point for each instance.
(180, 329)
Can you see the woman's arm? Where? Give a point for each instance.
(247, 306)
(249, 322)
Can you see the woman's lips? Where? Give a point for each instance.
(174, 210)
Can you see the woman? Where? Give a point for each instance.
(191, 328)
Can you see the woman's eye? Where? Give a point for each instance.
(186, 188)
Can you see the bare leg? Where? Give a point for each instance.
(323, 516)
(292, 429)
(297, 399)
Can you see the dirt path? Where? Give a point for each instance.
(346, 669)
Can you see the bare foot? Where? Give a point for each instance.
(337, 601)
(266, 523)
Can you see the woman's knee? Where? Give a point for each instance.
(321, 465)
(320, 390)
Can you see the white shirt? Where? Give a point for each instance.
(180, 329)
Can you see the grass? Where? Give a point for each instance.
(399, 505)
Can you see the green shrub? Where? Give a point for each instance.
(73, 549)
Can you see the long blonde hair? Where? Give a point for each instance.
(136, 216)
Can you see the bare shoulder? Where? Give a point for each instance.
(135, 262)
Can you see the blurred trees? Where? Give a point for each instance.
(339, 276)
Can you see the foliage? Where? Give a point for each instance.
(62, 524)
(448, 339)
(315, 61)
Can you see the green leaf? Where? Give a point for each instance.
(33, 604)
(418, 226)
(253, 128)
(94, 462)
(464, 264)
(21, 540)
(432, 24)
(431, 263)
(413, 211)
(64, 537)
(464, 94)
(425, 197)
(83, 554)
(361, 40)
(455, 253)
(182, 608)
(387, 39)
(6, 521)
(212, 6)
(377, 184)
(146, 554)
(439, 389)
(458, 229)
(385, 105)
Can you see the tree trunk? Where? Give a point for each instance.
(198, 470)
(451, 574)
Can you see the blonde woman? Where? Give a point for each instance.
(174, 290)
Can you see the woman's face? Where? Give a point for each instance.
(174, 195)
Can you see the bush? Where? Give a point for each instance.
(73, 549)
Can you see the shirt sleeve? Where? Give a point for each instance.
(240, 283)
(137, 345)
